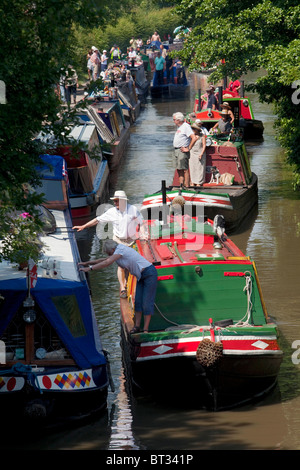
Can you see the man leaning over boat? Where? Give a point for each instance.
(138, 266)
(125, 219)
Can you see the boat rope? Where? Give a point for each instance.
(23, 369)
(165, 318)
(246, 320)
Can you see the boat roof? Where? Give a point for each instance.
(185, 240)
(61, 291)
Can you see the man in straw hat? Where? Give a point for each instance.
(224, 125)
(125, 219)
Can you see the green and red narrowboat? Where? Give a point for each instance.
(240, 106)
(230, 188)
(210, 341)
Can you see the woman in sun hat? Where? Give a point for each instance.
(197, 161)
(226, 107)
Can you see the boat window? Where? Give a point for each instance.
(52, 189)
(69, 310)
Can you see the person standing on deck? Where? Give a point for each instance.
(138, 266)
(125, 219)
(159, 68)
(183, 141)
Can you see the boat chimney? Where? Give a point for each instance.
(199, 99)
(164, 201)
(242, 89)
(220, 97)
(225, 83)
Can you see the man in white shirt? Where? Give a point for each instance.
(183, 141)
(125, 219)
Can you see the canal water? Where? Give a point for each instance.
(271, 237)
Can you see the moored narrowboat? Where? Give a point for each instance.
(210, 342)
(241, 108)
(53, 367)
(230, 188)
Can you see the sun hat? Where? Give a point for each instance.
(94, 48)
(196, 126)
(104, 51)
(225, 105)
(119, 195)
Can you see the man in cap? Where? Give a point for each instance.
(183, 141)
(125, 219)
(104, 59)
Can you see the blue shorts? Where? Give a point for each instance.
(146, 291)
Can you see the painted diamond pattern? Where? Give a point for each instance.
(72, 380)
(162, 349)
(260, 344)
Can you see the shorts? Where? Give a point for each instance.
(181, 159)
(146, 291)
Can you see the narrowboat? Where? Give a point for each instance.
(230, 188)
(53, 367)
(241, 107)
(112, 128)
(177, 87)
(88, 173)
(210, 343)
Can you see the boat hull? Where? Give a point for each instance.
(53, 396)
(233, 203)
(237, 378)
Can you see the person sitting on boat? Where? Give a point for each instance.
(155, 37)
(223, 126)
(225, 106)
(183, 141)
(125, 219)
(234, 86)
(138, 266)
(159, 68)
(197, 161)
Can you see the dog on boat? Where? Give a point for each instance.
(215, 175)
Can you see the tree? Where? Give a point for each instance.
(36, 42)
(252, 35)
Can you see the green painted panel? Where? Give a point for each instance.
(193, 298)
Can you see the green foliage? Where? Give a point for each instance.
(139, 21)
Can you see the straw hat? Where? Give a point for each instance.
(225, 105)
(119, 195)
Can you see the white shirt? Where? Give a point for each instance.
(182, 136)
(131, 260)
(124, 223)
